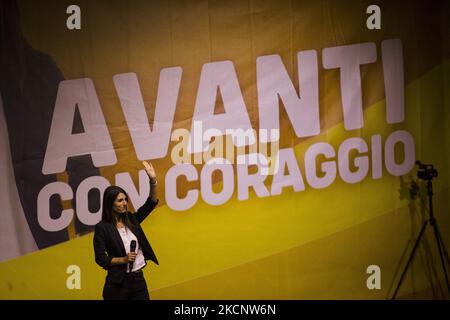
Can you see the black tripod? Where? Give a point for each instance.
(427, 172)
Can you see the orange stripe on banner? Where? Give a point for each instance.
(333, 267)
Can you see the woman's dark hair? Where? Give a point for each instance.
(108, 215)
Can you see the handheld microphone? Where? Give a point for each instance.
(132, 249)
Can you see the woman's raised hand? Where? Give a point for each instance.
(150, 171)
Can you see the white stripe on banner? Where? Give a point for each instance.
(15, 235)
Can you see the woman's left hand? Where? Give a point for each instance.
(150, 171)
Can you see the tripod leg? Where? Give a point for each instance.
(444, 249)
(416, 245)
(438, 241)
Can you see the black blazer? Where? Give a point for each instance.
(108, 243)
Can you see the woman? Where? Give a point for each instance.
(114, 236)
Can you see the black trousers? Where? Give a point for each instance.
(133, 287)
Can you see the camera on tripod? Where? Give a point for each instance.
(426, 171)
